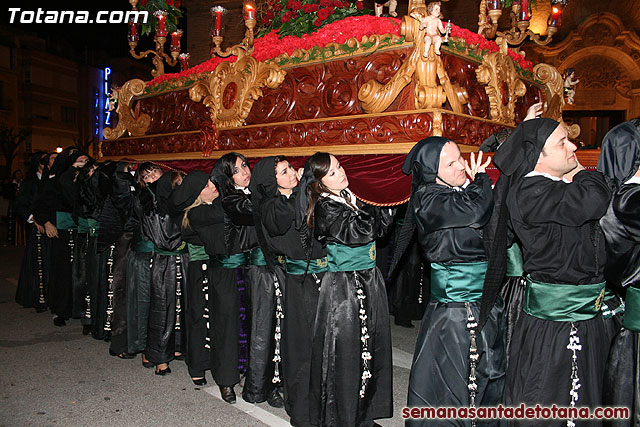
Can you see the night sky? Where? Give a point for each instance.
(101, 40)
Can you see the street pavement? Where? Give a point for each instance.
(55, 376)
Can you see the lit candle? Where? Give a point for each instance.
(161, 29)
(175, 41)
(494, 4)
(217, 12)
(184, 61)
(249, 9)
(556, 15)
(525, 11)
(133, 32)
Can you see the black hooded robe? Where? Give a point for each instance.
(337, 366)
(222, 299)
(545, 214)
(619, 160)
(34, 271)
(300, 302)
(259, 282)
(449, 224)
(168, 274)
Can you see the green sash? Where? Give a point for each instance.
(83, 225)
(631, 318)
(256, 257)
(345, 258)
(181, 250)
(514, 261)
(457, 282)
(562, 302)
(197, 253)
(298, 266)
(229, 261)
(64, 221)
(140, 244)
(94, 226)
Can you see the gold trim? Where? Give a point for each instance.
(229, 92)
(399, 148)
(432, 85)
(496, 70)
(126, 120)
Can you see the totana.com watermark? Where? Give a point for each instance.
(41, 16)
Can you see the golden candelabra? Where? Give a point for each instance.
(245, 47)
(160, 38)
(491, 11)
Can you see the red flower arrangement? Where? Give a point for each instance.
(274, 44)
(296, 18)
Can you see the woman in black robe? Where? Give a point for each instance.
(85, 213)
(32, 286)
(203, 229)
(351, 366)
(259, 281)
(620, 162)
(168, 273)
(53, 209)
(117, 223)
(139, 267)
(276, 182)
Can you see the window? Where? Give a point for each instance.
(68, 115)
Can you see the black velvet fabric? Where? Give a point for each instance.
(440, 368)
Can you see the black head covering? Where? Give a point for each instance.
(263, 186)
(35, 160)
(163, 191)
(302, 199)
(516, 157)
(64, 160)
(422, 163)
(186, 193)
(218, 177)
(620, 155)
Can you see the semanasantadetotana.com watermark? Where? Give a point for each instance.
(40, 16)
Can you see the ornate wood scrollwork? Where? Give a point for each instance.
(554, 91)
(432, 85)
(503, 86)
(230, 91)
(126, 120)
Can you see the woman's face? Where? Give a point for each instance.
(335, 179)
(241, 173)
(209, 193)
(152, 175)
(286, 177)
